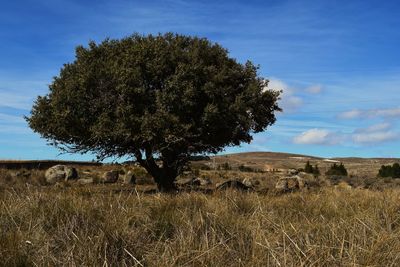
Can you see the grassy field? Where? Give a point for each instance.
(120, 225)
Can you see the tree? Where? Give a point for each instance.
(160, 99)
(337, 170)
(390, 171)
(308, 168)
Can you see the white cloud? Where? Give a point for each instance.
(314, 89)
(371, 113)
(374, 137)
(289, 101)
(351, 114)
(317, 137)
(390, 112)
(375, 128)
(375, 134)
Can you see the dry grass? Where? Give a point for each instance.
(99, 225)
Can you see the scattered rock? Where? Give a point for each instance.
(290, 184)
(232, 184)
(59, 173)
(193, 182)
(293, 172)
(282, 185)
(129, 178)
(250, 182)
(85, 181)
(110, 177)
(184, 182)
(201, 181)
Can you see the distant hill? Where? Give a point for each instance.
(42, 164)
(276, 160)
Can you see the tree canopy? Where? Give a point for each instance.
(156, 97)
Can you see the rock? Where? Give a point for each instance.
(250, 182)
(290, 184)
(293, 172)
(201, 181)
(110, 177)
(59, 173)
(184, 182)
(85, 181)
(302, 182)
(282, 185)
(232, 184)
(193, 182)
(129, 178)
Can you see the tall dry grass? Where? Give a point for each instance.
(96, 226)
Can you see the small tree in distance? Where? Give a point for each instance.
(160, 99)
(337, 170)
(308, 168)
(390, 171)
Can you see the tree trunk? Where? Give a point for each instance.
(166, 184)
(164, 176)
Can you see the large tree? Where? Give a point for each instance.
(157, 98)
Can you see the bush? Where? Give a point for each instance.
(310, 169)
(337, 170)
(390, 171)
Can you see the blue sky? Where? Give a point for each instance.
(338, 63)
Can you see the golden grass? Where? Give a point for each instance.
(96, 226)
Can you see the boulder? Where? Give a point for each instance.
(250, 182)
(292, 172)
(290, 184)
(59, 173)
(193, 182)
(129, 178)
(184, 182)
(232, 184)
(282, 185)
(201, 181)
(110, 177)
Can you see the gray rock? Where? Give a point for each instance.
(232, 184)
(129, 178)
(59, 173)
(184, 182)
(293, 172)
(201, 181)
(249, 182)
(110, 177)
(289, 184)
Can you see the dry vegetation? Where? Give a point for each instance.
(120, 225)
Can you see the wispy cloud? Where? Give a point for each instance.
(15, 100)
(317, 137)
(375, 134)
(371, 113)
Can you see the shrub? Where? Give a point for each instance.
(310, 169)
(390, 171)
(337, 170)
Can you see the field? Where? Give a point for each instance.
(330, 224)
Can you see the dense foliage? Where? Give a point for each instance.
(390, 171)
(158, 98)
(336, 169)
